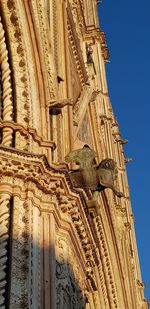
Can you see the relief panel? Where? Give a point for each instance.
(68, 289)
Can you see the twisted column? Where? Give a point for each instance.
(4, 236)
(6, 88)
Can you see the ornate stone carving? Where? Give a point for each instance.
(76, 48)
(4, 238)
(106, 270)
(77, 8)
(15, 34)
(95, 34)
(34, 169)
(55, 108)
(69, 294)
(20, 256)
(6, 87)
(89, 52)
(41, 23)
(91, 176)
(90, 260)
(28, 134)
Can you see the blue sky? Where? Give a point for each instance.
(127, 28)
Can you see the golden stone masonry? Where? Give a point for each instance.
(66, 225)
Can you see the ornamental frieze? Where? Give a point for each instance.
(23, 172)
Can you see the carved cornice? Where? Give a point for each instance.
(22, 171)
(32, 167)
(105, 117)
(95, 34)
(30, 132)
(90, 32)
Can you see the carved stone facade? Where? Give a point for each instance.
(58, 247)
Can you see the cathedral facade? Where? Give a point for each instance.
(61, 245)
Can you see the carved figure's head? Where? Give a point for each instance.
(109, 164)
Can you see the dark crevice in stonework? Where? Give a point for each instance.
(13, 139)
(9, 255)
(51, 131)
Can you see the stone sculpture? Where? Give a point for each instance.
(90, 175)
(89, 52)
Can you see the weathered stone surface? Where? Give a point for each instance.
(59, 248)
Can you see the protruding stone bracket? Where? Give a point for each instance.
(55, 107)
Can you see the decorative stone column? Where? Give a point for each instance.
(7, 114)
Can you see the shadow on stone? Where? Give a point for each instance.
(29, 281)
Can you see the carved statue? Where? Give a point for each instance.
(90, 175)
(89, 52)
